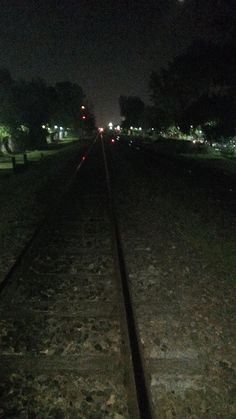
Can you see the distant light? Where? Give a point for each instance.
(43, 126)
(61, 128)
(101, 129)
(140, 129)
(191, 126)
(113, 140)
(131, 127)
(83, 117)
(82, 107)
(118, 128)
(55, 126)
(152, 129)
(84, 157)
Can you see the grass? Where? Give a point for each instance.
(213, 160)
(204, 155)
(35, 155)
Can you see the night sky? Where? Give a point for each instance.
(108, 47)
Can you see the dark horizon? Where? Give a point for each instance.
(109, 49)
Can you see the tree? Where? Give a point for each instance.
(35, 102)
(70, 99)
(25, 106)
(132, 110)
(198, 87)
(7, 103)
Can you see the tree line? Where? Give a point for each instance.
(28, 107)
(197, 89)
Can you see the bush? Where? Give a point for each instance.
(228, 151)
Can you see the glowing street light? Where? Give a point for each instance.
(82, 107)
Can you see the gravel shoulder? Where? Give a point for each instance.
(179, 244)
(28, 195)
(63, 346)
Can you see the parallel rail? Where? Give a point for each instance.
(69, 343)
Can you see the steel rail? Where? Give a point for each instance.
(43, 222)
(144, 404)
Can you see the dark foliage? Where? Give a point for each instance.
(31, 104)
(132, 111)
(198, 87)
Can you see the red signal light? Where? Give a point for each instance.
(113, 140)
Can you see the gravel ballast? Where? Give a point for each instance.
(179, 246)
(27, 196)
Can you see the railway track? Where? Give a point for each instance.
(66, 324)
(101, 319)
(184, 311)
